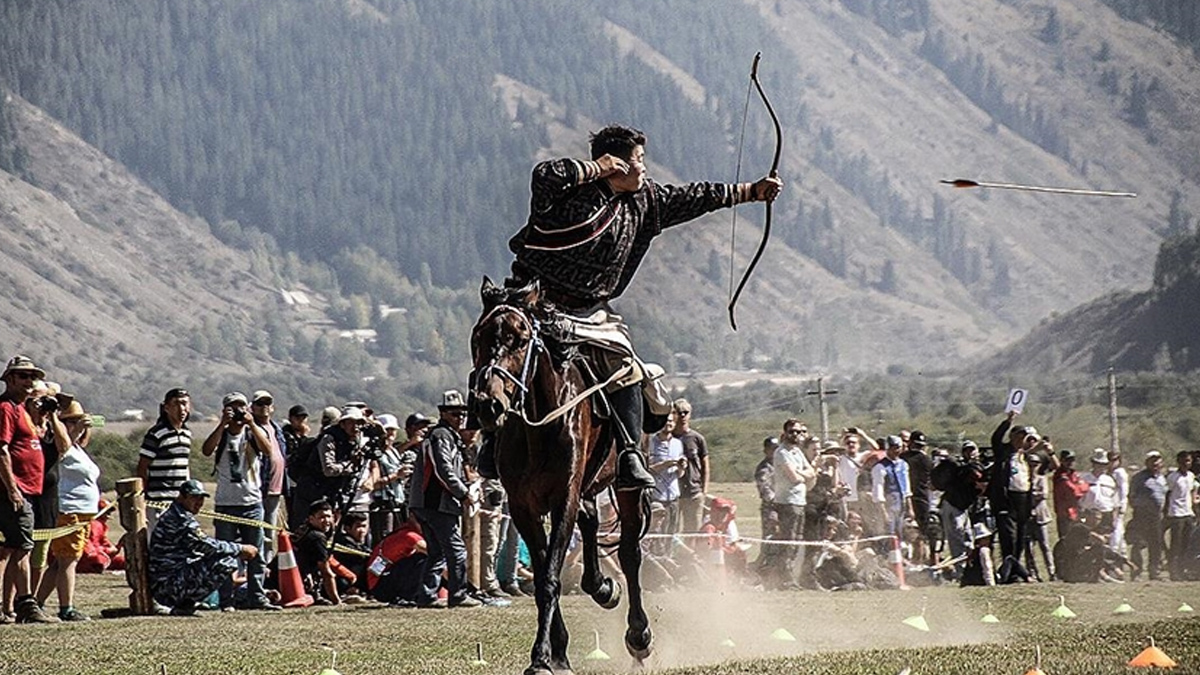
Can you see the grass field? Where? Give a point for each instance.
(836, 633)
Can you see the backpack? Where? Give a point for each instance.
(943, 475)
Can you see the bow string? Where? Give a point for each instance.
(774, 173)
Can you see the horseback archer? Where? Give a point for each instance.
(590, 224)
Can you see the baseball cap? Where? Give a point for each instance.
(417, 420)
(172, 394)
(893, 441)
(917, 439)
(261, 394)
(297, 411)
(192, 488)
(233, 398)
(330, 415)
(1154, 454)
(387, 421)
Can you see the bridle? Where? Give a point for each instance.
(518, 399)
(520, 390)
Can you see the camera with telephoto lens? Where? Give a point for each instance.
(374, 435)
(47, 404)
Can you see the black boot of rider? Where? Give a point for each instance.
(485, 462)
(632, 473)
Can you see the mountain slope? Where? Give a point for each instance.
(334, 128)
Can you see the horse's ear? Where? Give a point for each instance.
(489, 292)
(532, 293)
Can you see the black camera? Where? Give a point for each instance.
(375, 439)
(47, 404)
(238, 415)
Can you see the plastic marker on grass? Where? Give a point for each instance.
(918, 621)
(1063, 612)
(989, 617)
(782, 635)
(479, 655)
(1185, 608)
(1123, 608)
(727, 643)
(596, 654)
(1152, 657)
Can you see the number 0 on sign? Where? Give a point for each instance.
(1016, 401)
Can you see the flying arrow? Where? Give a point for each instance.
(967, 183)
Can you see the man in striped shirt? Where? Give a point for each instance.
(166, 450)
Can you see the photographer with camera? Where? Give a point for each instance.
(342, 454)
(389, 474)
(274, 479)
(238, 467)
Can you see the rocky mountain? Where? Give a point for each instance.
(209, 155)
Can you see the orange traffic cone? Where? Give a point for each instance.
(1152, 657)
(291, 587)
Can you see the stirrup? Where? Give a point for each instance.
(632, 473)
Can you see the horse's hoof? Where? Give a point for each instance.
(609, 595)
(639, 644)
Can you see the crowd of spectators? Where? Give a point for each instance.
(375, 512)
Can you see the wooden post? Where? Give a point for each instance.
(131, 502)
(471, 527)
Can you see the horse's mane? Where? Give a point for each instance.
(552, 330)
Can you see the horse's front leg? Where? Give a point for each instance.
(529, 524)
(562, 526)
(604, 590)
(638, 638)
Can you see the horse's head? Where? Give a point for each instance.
(502, 349)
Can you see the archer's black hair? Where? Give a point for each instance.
(616, 140)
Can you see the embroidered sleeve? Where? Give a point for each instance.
(680, 203)
(553, 178)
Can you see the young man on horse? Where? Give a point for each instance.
(590, 224)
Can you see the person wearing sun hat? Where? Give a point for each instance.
(1099, 504)
(78, 502)
(21, 474)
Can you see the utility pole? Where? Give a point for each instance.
(1114, 433)
(821, 393)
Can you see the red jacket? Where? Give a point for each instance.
(1069, 488)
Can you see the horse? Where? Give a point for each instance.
(554, 455)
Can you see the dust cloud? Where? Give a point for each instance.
(708, 625)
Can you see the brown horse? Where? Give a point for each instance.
(554, 455)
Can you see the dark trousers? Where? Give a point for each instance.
(1145, 532)
(1012, 524)
(791, 528)
(445, 551)
(1180, 529)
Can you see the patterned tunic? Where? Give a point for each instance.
(585, 242)
(185, 565)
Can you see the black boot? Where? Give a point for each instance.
(485, 462)
(632, 473)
